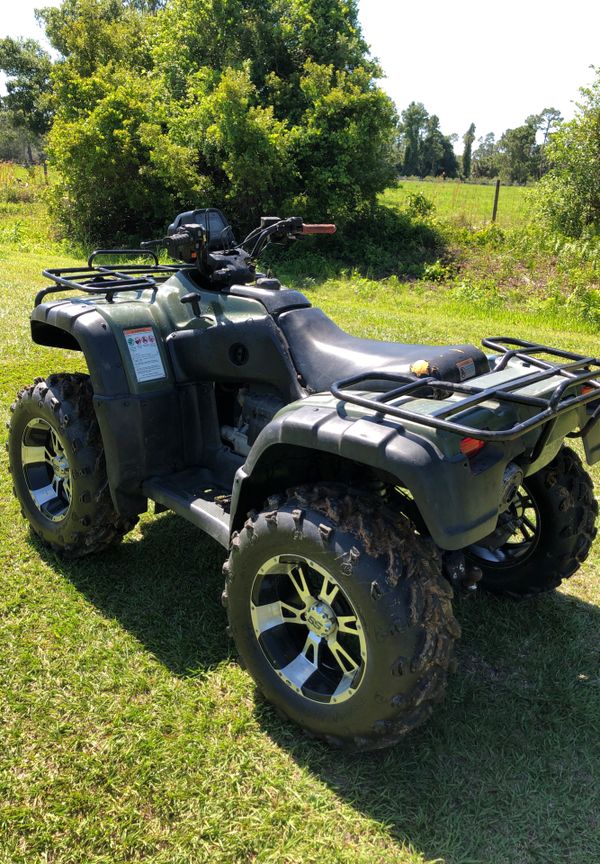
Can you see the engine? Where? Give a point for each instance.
(253, 411)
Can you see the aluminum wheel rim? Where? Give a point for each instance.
(46, 469)
(308, 629)
(522, 526)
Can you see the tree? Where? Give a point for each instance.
(422, 147)
(548, 122)
(27, 105)
(413, 122)
(252, 105)
(432, 150)
(468, 139)
(486, 159)
(519, 153)
(449, 164)
(568, 196)
(15, 143)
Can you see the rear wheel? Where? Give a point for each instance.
(545, 534)
(340, 613)
(58, 469)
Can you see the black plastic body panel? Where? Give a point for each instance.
(89, 333)
(153, 434)
(591, 441)
(275, 301)
(246, 351)
(458, 504)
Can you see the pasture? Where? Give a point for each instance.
(130, 733)
(465, 204)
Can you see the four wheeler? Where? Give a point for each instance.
(353, 483)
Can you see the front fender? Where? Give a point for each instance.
(459, 504)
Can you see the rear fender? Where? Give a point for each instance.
(141, 432)
(459, 505)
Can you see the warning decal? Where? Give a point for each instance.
(466, 369)
(144, 353)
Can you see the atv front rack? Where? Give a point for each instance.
(109, 279)
(578, 371)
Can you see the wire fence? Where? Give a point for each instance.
(468, 204)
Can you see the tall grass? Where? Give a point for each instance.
(19, 185)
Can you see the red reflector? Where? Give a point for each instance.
(586, 389)
(471, 446)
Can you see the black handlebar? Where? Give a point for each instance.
(188, 243)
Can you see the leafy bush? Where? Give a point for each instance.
(378, 242)
(238, 104)
(568, 196)
(418, 204)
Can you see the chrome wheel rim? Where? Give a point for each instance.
(516, 536)
(46, 469)
(308, 629)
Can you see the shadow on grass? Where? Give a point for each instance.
(164, 589)
(507, 770)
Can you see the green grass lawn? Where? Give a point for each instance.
(466, 203)
(130, 733)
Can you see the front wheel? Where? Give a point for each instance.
(545, 534)
(340, 613)
(58, 469)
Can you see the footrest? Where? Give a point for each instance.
(190, 494)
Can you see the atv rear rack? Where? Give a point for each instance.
(109, 279)
(579, 370)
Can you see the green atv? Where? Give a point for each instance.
(354, 484)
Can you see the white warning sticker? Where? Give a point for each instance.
(144, 353)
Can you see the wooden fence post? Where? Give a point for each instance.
(496, 194)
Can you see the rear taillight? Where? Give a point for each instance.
(470, 446)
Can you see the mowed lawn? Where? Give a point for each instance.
(130, 733)
(465, 204)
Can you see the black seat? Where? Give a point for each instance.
(323, 353)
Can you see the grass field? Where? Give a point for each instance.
(465, 203)
(130, 733)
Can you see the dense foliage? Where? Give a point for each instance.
(26, 109)
(250, 105)
(519, 156)
(568, 196)
(423, 150)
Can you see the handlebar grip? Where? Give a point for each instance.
(317, 229)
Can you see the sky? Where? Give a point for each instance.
(469, 61)
(492, 64)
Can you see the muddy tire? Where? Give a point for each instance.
(555, 514)
(340, 613)
(58, 469)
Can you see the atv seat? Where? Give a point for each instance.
(323, 353)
